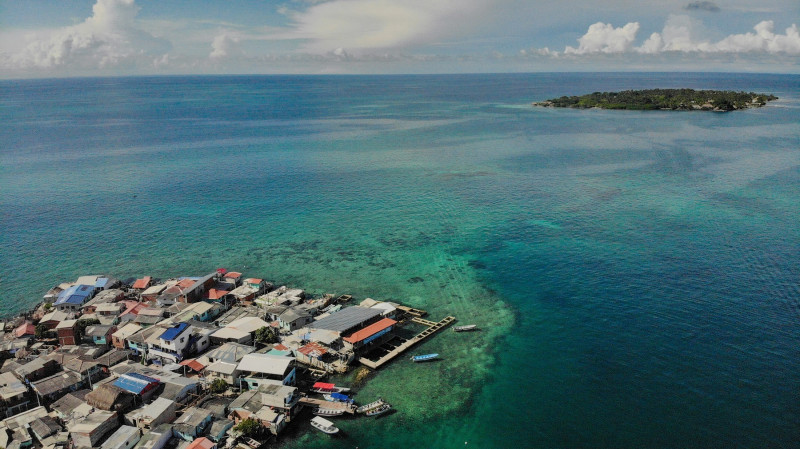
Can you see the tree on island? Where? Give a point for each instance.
(218, 386)
(672, 99)
(266, 335)
(248, 427)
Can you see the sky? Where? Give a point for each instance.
(63, 38)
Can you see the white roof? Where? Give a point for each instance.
(222, 367)
(248, 324)
(156, 408)
(227, 332)
(127, 330)
(118, 438)
(387, 307)
(265, 363)
(155, 289)
(87, 280)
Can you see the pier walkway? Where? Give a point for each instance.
(432, 328)
(322, 403)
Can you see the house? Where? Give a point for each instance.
(232, 277)
(279, 397)
(181, 389)
(111, 398)
(138, 342)
(36, 369)
(370, 336)
(111, 358)
(26, 329)
(200, 311)
(53, 387)
(67, 405)
(158, 412)
(192, 423)
(188, 290)
(66, 332)
(200, 337)
(214, 294)
(106, 282)
(202, 443)
(88, 432)
(228, 372)
(348, 320)
(109, 312)
(52, 319)
(142, 284)
(104, 297)
(260, 285)
(235, 331)
(44, 428)
(132, 309)
(258, 369)
(219, 428)
(229, 334)
(171, 344)
(229, 352)
(17, 425)
(13, 396)
(250, 405)
(118, 338)
(293, 318)
(100, 334)
(123, 438)
(71, 299)
(138, 384)
(153, 292)
(89, 370)
(244, 293)
(157, 438)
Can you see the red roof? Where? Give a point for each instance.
(254, 281)
(25, 329)
(201, 443)
(233, 275)
(134, 308)
(312, 349)
(280, 347)
(142, 283)
(213, 293)
(186, 283)
(193, 364)
(370, 330)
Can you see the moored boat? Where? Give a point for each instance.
(337, 397)
(328, 411)
(467, 328)
(365, 408)
(379, 410)
(424, 357)
(323, 425)
(322, 387)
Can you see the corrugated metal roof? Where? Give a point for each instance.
(370, 330)
(142, 283)
(134, 382)
(345, 319)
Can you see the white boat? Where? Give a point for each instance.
(328, 411)
(379, 410)
(467, 328)
(370, 406)
(323, 425)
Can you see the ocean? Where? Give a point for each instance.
(635, 275)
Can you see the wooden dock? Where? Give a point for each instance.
(432, 328)
(314, 403)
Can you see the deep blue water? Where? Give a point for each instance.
(637, 274)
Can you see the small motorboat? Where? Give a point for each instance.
(323, 425)
(424, 357)
(379, 410)
(365, 408)
(467, 328)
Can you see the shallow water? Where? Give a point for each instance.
(635, 274)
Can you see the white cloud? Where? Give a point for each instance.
(604, 38)
(225, 45)
(384, 24)
(109, 38)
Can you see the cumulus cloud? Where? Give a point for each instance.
(680, 34)
(702, 6)
(225, 45)
(604, 38)
(108, 38)
(384, 24)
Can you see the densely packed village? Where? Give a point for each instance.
(195, 362)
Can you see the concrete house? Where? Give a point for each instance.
(118, 338)
(192, 423)
(71, 299)
(101, 334)
(171, 344)
(153, 415)
(123, 438)
(88, 432)
(66, 332)
(261, 369)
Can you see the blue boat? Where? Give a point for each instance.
(424, 357)
(337, 397)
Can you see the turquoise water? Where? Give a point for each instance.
(636, 274)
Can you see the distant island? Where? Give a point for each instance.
(669, 99)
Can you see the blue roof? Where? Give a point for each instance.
(101, 282)
(134, 382)
(173, 332)
(77, 294)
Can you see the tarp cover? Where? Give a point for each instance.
(323, 386)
